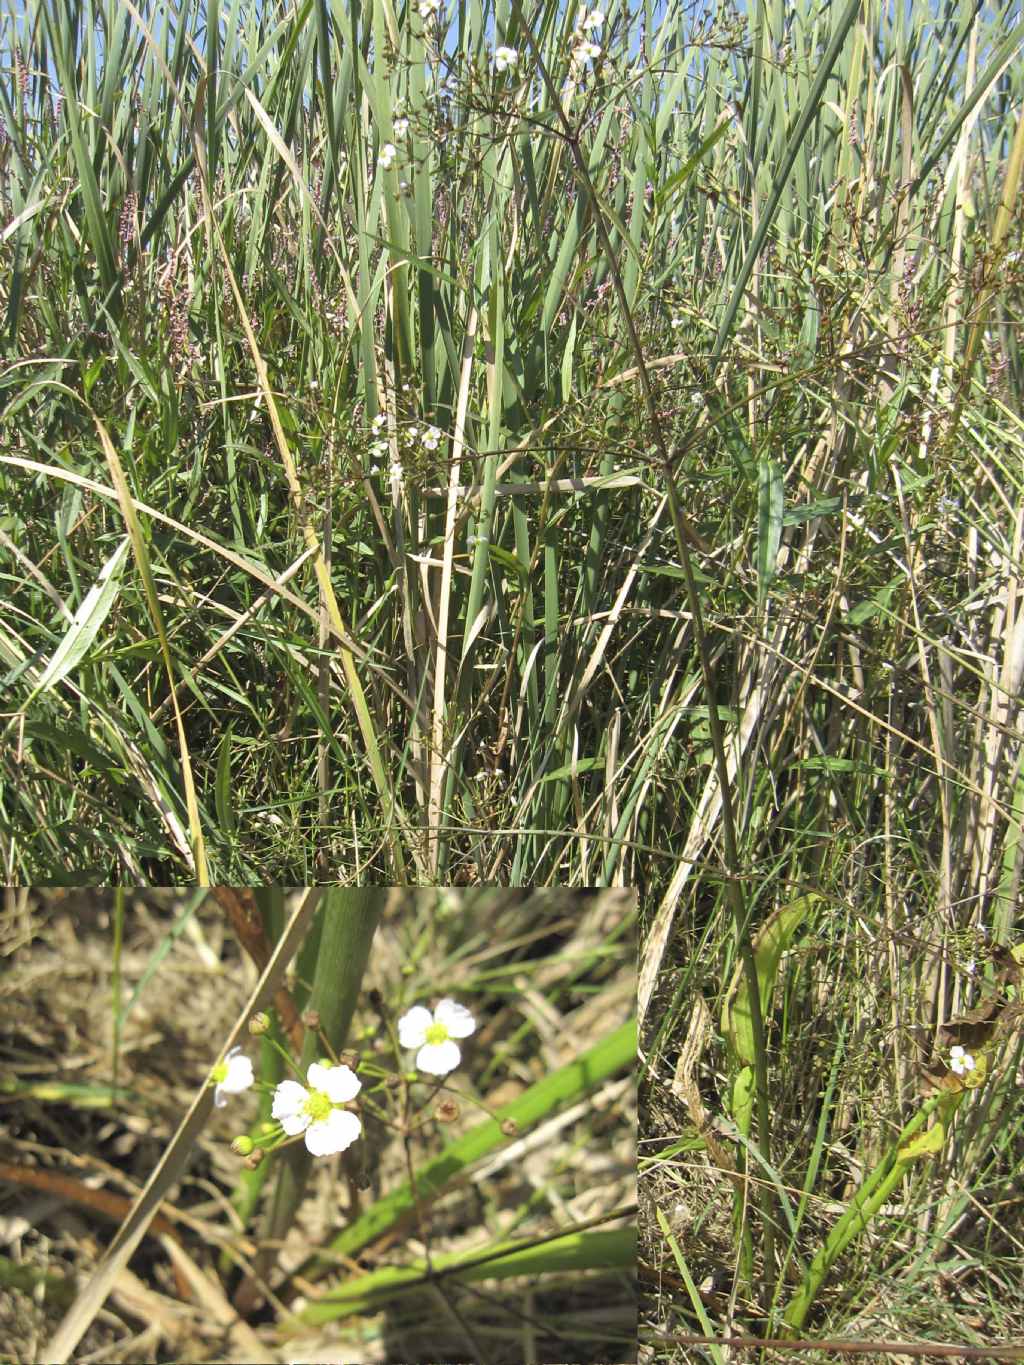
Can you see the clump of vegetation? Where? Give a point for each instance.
(430, 441)
(453, 444)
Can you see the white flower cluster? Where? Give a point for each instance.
(584, 48)
(504, 57)
(322, 1109)
(429, 437)
(387, 155)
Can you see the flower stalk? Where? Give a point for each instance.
(349, 918)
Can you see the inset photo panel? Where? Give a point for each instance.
(319, 1125)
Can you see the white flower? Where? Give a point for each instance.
(379, 421)
(429, 7)
(433, 1035)
(232, 1076)
(505, 57)
(593, 20)
(430, 437)
(317, 1112)
(387, 155)
(960, 1061)
(586, 52)
(401, 127)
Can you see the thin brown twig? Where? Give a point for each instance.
(104, 1202)
(239, 904)
(842, 1347)
(72, 1191)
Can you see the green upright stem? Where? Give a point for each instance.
(349, 923)
(866, 1202)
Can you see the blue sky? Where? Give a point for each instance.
(20, 8)
(14, 11)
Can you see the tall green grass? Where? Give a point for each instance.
(216, 284)
(716, 534)
(851, 309)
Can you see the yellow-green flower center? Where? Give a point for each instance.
(318, 1106)
(220, 1072)
(437, 1033)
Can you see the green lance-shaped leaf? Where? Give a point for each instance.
(771, 942)
(85, 624)
(594, 1249)
(770, 508)
(914, 1143)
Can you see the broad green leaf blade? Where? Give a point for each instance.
(86, 622)
(772, 940)
(770, 503)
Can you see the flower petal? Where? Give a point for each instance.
(456, 1018)
(240, 1075)
(412, 1027)
(317, 1075)
(333, 1134)
(288, 1095)
(438, 1058)
(340, 1083)
(289, 1107)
